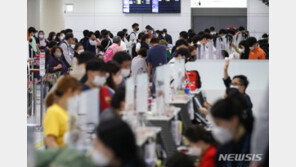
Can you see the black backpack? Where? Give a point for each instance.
(128, 37)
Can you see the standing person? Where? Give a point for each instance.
(150, 32)
(113, 49)
(56, 63)
(41, 41)
(212, 31)
(232, 131)
(78, 71)
(85, 38)
(139, 64)
(32, 42)
(92, 43)
(255, 51)
(144, 43)
(134, 34)
(68, 51)
(167, 36)
(183, 35)
(124, 60)
(78, 49)
(179, 44)
(156, 56)
(201, 144)
(96, 78)
(115, 78)
(51, 36)
(115, 145)
(123, 47)
(56, 116)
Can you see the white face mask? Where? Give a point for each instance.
(222, 135)
(80, 51)
(99, 159)
(125, 72)
(54, 37)
(242, 50)
(93, 42)
(195, 151)
(99, 81)
(41, 36)
(252, 48)
(58, 55)
(72, 46)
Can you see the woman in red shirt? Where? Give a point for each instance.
(201, 144)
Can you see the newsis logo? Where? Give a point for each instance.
(240, 157)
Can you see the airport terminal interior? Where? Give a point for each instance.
(147, 83)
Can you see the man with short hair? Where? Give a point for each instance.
(96, 78)
(167, 36)
(156, 56)
(183, 35)
(255, 51)
(68, 51)
(239, 82)
(85, 38)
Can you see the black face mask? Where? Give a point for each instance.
(137, 29)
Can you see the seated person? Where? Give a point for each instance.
(233, 130)
(239, 82)
(96, 78)
(117, 106)
(201, 144)
(179, 160)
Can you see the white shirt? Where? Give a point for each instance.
(123, 46)
(138, 45)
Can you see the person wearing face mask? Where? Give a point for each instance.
(92, 43)
(41, 41)
(117, 106)
(202, 145)
(243, 49)
(167, 36)
(78, 71)
(96, 73)
(68, 51)
(115, 145)
(239, 82)
(212, 31)
(255, 51)
(139, 64)
(55, 62)
(115, 78)
(134, 34)
(233, 130)
(78, 49)
(124, 60)
(56, 117)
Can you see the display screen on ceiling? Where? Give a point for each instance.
(151, 6)
(218, 3)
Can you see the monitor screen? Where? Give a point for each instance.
(151, 6)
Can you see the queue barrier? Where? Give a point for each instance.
(35, 96)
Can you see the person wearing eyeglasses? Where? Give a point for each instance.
(239, 82)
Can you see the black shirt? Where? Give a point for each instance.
(239, 148)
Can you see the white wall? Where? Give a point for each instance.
(33, 13)
(100, 14)
(258, 18)
(211, 73)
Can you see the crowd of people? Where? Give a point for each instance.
(104, 61)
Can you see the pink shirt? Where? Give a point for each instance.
(110, 52)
